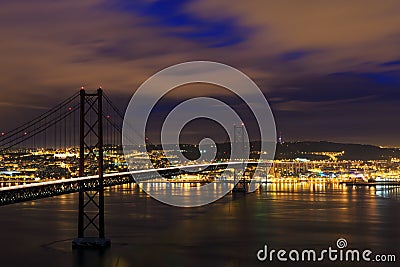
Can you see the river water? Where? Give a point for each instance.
(229, 232)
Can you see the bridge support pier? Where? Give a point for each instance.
(91, 203)
(239, 148)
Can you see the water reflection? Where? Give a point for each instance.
(388, 192)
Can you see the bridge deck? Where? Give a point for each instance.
(33, 191)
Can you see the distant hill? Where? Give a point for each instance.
(309, 150)
(292, 150)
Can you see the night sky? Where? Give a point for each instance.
(330, 69)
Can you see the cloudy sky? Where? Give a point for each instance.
(330, 69)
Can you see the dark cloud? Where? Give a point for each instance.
(391, 63)
(294, 55)
(173, 17)
(330, 69)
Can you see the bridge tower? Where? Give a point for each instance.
(91, 203)
(239, 148)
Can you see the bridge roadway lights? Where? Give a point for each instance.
(91, 242)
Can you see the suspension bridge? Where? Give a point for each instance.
(75, 147)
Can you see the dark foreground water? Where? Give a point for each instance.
(229, 232)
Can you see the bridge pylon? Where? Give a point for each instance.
(239, 148)
(91, 203)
